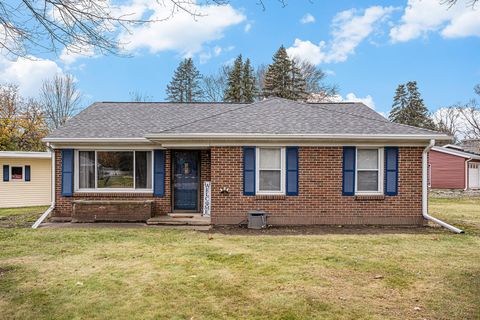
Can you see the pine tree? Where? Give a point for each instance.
(249, 86)
(408, 107)
(399, 104)
(233, 92)
(278, 76)
(299, 85)
(185, 84)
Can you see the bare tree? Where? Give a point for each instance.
(137, 96)
(214, 85)
(449, 121)
(451, 3)
(30, 26)
(60, 100)
(477, 89)
(471, 114)
(315, 79)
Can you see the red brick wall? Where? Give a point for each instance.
(161, 205)
(63, 205)
(320, 199)
(447, 171)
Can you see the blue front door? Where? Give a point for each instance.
(186, 180)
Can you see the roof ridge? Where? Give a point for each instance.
(386, 120)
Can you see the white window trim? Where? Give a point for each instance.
(282, 172)
(380, 171)
(109, 190)
(23, 173)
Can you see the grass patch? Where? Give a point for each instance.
(20, 217)
(150, 273)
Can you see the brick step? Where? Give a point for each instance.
(180, 219)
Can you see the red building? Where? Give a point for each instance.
(451, 167)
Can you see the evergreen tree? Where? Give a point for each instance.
(397, 113)
(185, 84)
(233, 92)
(249, 86)
(299, 85)
(278, 76)
(408, 107)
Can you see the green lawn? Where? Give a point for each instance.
(20, 217)
(145, 273)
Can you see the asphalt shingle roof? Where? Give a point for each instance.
(271, 116)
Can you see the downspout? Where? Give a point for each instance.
(425, 191)
(467, 177)
(52, 205)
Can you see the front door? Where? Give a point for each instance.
(186, 180)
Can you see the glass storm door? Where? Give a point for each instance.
(186, 180)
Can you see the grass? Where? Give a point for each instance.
(151, 273)
(20, 217)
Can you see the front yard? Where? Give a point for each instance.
(121, 273)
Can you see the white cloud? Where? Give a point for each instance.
(28, 73)
(421, 17)
(209, 53)
(247, 27)
(181, 32)
(70, 55)
(351, 97)
(349, 29)
(308, 18)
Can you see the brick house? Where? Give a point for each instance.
(301, 163)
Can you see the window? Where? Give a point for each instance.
(16, 173)
(270, 170)
(369, 173)
(114, 170)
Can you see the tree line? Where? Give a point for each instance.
(285, 77)
(24, 122)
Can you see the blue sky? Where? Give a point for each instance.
(367, 48)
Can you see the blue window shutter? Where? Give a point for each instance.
(67, 172)
(6, 173)
(348, 176)
(391, 171)
(292, 171)
(249, 171)
(159, 173)
(27, 173)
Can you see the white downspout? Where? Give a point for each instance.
(425, 191)
(467, 177)
(52, 205)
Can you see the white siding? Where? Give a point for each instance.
(26, 193)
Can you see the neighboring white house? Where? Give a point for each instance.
(26, 179)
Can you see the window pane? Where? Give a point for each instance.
(17, 173)
(115, 169)
(269, 180)
(86, 169)
(143, 170)
(270, 158)
(367, 181)
(367, 159)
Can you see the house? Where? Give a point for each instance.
(451, 167)
(26, 179)
(301, 163)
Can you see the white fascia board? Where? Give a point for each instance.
(95, 140)
(285, 137)
(25, 155)
(456, 153)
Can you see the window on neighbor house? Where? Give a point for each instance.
(114, 170)
(270, 170)
(369, 177)
(16, 173)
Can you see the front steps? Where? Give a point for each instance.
(179, 219)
